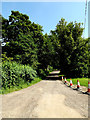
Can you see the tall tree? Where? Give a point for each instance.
(70, 48)
(23, 38)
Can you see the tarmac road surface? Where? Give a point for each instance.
(46, 99)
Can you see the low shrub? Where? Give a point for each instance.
(42, 73)
(15, 74)
(50, 68)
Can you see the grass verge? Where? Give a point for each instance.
(82, 81)
(21, 86)
(61, 75)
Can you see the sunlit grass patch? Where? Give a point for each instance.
(83, 81)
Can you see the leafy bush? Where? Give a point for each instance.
(5, 58)
(42, 73)
(15, 74)
(49, 68)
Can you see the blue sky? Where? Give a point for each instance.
(48, 14)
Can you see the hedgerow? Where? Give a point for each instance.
(15, 74)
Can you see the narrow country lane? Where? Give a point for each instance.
(49, 98)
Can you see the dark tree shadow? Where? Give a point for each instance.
(53, 76)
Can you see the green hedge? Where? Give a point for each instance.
(15, 74)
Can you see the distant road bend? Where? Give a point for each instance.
(49, 98)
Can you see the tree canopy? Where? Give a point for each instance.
(64, 48)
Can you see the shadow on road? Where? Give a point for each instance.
(53, 76)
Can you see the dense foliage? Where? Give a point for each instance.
(63, 49)
(14, 74)
(72, 49)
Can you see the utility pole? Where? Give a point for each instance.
(85, 17)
